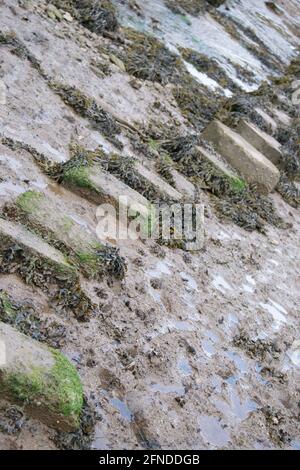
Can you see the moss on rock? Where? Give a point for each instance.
(42, 379)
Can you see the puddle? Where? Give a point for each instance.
(295, 445)
(208, 343)
(202, 33)
(173, 388)
(248, 289)
(268, 26)
(184, 367)
(181, 325)
(189, 281)
(100, 441)
(155, 295)
(161, 268)
(294, 353)
(277, 312)
(205, 80)
(231, 321)
(191, 311)
(213, 432)
(239, 362)
(122, 408)
(250, 280)
(236, 409)
(9, 187)
(220, 284)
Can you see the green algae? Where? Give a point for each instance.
(58, 389)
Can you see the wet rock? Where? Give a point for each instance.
(40, 379)
(263, 142)
(250, 163)
(40, 264)
(82, 247)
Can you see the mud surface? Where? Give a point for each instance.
(191, 350)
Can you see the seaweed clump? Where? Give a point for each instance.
(234, 200)
(148, 58)
(257, 349)
(209, 66)
(82, 438)
(12, 420)
(24, 318)
(247, 36)
(20, 50)
(60, 282)
(99, 16)
(88, 108)
(192, 7)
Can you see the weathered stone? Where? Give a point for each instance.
(38, 263)
(183, 185)
(269, 121)
(263, 142)
(83, 246)
(15, 234)
(282, 117)
(102, 187)
(242, 156)
(160, 185)
(40, 379)
(221, 166)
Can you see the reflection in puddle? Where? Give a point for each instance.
(189, 280)
(122, 408)
(295, 445)
(213, 432)
(237, 409)
(184, 367)
(294, 353)
(277, 311)
(100, 441)
(161, 268)
(208, 343)
(220, 284)
(239, 362)
(181, 325)
(173, 388)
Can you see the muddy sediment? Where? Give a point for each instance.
(174, 349)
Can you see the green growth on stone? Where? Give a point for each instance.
(59, 388)
(237, 184)
(29, 201)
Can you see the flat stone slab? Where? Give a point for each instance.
(283, 118)
(102, 187)
(264, 143)
(242, 156)
(11, 232)
(183, 185)
(267, 118)
(83, 246)
(40, 379)
(217, 163)
(38, 263)
(160, 185)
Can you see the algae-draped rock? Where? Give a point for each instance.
(41, 379)
(80, 244)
